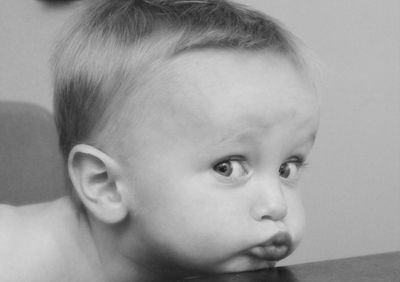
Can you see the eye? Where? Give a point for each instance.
(291, 168)
(232, 168)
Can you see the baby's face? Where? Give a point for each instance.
(213, 165)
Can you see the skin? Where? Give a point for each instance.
(253, 108)
(207, 182)
(47, 242)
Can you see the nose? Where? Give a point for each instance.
(270, 202)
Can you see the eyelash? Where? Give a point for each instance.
(298, 161)
(231, 160)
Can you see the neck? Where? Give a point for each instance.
(122, 259)
(107, 241)
(75, 243)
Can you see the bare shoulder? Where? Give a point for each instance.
(8, 230)
(28, 249)
(7, 221)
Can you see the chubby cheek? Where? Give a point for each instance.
(192, 224)
(295, 219)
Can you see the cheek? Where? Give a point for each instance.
(192, 219)
(295, 219)
(200, 214)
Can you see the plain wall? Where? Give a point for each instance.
(352, 186)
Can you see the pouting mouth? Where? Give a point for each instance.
(280, 238)
(275, 248)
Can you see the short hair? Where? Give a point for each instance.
(104, 56)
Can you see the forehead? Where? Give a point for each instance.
(228, 91)
(240, 83)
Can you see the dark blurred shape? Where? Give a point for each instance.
(57, 2)
(31, 165)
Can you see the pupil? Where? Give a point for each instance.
(224, 168)
(284, 171)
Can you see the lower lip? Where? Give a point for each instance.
(270, 252)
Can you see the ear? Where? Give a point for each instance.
(96, 179)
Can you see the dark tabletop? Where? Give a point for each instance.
(373, 268)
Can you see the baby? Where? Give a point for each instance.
(185, 126)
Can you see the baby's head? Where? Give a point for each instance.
(185, 125)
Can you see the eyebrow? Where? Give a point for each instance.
(238, 136)
(231, 137)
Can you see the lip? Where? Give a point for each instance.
(275, 248)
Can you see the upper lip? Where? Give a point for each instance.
(280, 238)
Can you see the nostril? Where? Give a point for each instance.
(274, 212)
(265, 217)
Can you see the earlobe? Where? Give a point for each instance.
(96, 178)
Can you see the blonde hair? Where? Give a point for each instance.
(103, 58)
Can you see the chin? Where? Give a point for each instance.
(243, 265)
